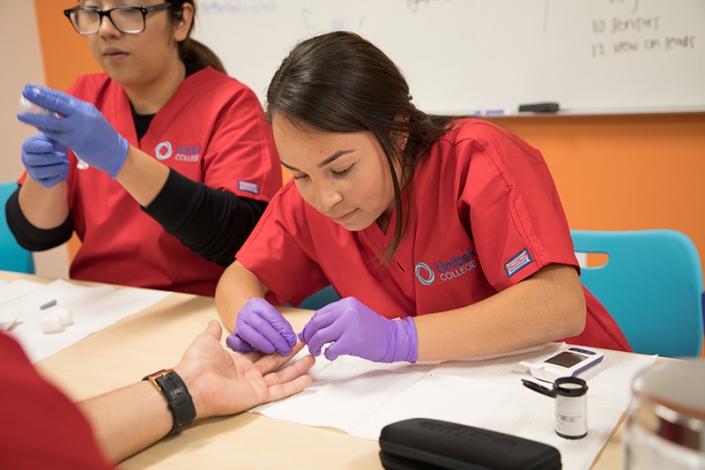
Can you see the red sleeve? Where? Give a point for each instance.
(280, 253)
(241, 156)
(516, 218)
(40, 427)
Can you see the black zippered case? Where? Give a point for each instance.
(422, 443)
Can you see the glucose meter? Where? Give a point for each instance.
(566, 363)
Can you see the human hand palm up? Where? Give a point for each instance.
(227, 382)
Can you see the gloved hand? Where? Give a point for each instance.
(45, 159)
(356, 330)
(260, 327)
(81, 127)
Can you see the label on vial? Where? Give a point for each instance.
(571, 416)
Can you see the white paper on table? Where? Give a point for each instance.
(92, 309)
(361, 397)
(12, 291)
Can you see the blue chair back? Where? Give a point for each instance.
(320, 299)
(12, 256)
(652, 285)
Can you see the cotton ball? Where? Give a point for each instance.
(32, 108)
(51, 323)
(66, 317)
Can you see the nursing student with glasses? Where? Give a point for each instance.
(444, 236)
(180, 161)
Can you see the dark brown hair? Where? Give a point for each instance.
(340, 82)
(190, 50)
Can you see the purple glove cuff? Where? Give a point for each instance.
(123, 146)
(403, 342)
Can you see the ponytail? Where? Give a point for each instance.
(192, 51)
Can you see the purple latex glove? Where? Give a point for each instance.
(260, 327)
(45, 160)
(356, 330)
(81, 127)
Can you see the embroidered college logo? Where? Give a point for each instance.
(187, 153)
(163, 150)
(248, 186)
(518, 262)
(447, 269)
(428, 275)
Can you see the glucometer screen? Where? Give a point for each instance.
(565, 359)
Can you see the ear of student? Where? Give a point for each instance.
(183, 26)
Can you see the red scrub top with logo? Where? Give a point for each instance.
(40, 427)
(485, 215)
(213, 131)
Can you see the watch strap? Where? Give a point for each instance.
(178, 398)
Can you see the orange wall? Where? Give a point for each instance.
(613, 172)
(626, 172)
(64, 51)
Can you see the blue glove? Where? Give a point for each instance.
(260, 327)
(356, 330)
(45, 159)
(81, 127)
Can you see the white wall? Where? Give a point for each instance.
(21, 60)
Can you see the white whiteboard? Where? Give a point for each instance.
(463, 56)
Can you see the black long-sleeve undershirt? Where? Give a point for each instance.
(210, 222)
(30, 237)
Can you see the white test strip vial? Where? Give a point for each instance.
(571, 407)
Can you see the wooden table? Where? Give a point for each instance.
(155, 339)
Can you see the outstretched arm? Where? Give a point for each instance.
(546, 306)
(220, 382)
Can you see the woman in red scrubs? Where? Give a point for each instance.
(181, 160)
(445, 236)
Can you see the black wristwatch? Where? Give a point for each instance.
(177, 396)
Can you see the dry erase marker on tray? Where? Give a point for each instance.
(492, 112)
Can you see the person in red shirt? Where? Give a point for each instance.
(42, 428)
(445, 236)
(181, 160)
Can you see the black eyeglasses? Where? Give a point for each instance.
(126, 19)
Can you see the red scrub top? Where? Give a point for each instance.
(485, 215)
(213, 131)
(40, 428)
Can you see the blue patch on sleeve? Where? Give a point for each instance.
(518, 262)
(248, 186)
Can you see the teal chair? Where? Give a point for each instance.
(652, 285)
(12, 256)
(320, 299)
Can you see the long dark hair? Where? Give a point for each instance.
(190, 50)
(340, 82)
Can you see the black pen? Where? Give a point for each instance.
(538, 388)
